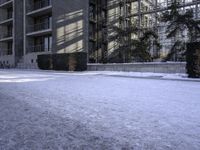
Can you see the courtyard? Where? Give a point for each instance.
(93, 111)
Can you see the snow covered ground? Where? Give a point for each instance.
(98, 111)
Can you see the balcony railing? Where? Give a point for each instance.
(40, 4)
(5, 17)
(6, 35)
(5, 52)
(38, 48)
(39, 27)
(4, 1)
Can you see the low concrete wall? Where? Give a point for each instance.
(7, 61)
(168, 67)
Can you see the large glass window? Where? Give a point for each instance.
(43, 43)
(48, 43)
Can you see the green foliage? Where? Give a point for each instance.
(142, 45)
(138, 48)
(178, 23)
(176, 49)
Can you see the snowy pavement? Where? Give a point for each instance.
(42, 110)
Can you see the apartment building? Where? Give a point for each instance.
(29, 28)
(11, 32)
(57, 26)
(54, 26)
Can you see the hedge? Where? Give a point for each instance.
(67, 61)
(193, 60)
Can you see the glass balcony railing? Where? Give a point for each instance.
(6, 35)
(39, 27)
(5, 18)
(39, 48)
(40, 4)
(4, 52)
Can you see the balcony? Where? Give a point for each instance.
(5, 52)
(5, 3)
(6, 37)
(38, 48)
(39, 29)
(40, 7)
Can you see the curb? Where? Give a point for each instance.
(154, 78)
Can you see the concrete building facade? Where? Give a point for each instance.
(11, 32)
(54, 27)
(29, 28)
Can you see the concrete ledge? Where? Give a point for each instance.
(155, 67)
(157, 78)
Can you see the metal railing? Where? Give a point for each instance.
(39, 26)
(40, 4)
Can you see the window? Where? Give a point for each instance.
(43, 43)
(9, 13)
(9, 48)
(9, 30)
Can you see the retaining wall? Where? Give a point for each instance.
(166, 67)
